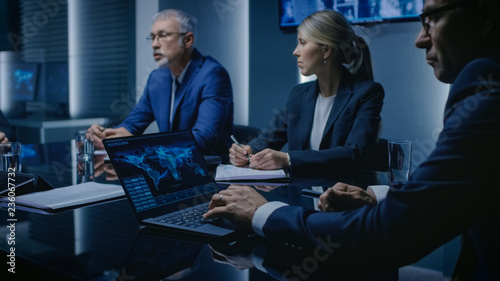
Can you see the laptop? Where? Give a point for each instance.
(167, 181)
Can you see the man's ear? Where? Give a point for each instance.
(188, 39)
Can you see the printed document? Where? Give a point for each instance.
(73, 196)
(233, 173)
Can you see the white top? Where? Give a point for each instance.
(321, 112)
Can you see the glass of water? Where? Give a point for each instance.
(85, 156)
(84, 143)
(10, 157)
(399, 162)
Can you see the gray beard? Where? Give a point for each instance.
(162, 63)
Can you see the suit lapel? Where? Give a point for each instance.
(164, 84)
(191, 71)
(308, 107)
(344, 93)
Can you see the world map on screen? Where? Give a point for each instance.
(162, 161)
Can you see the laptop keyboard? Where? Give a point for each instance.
(191, 217)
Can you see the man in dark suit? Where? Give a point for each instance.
(453, 192)
(202, 101)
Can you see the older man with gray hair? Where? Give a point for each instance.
(188, 91)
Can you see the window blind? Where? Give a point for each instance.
(97, 38)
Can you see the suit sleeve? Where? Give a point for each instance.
(214, 109)
(453, 190)
(362, 135)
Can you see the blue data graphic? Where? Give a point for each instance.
(159, 161)
(23, 77)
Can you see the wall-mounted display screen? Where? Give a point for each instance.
(292, 12)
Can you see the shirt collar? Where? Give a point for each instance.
(183, 73)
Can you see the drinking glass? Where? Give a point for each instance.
(84, 156)
(10, 154)
(399, 162)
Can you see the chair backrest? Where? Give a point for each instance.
(377, 158)
(245, 134)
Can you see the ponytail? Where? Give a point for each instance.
(361, 65)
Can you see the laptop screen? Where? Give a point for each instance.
(161, 171)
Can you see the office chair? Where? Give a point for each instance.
(244, 134)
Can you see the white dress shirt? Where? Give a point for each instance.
(263, 212)
(321, 112)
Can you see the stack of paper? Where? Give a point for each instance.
(69, 197)
(231, 173)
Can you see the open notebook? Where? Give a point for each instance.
(231, 173)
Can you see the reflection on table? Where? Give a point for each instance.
(105, 242)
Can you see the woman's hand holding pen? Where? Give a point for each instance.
(239, 154)
(267, 159)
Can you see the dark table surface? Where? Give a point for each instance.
(105, 241)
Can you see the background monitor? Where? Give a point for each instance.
(292, 12)
(23, 79)
(56, 82)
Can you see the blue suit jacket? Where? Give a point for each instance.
(454, 191)
(351, 130)
(203, 104)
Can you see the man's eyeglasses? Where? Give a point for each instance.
(426, 18)
(163, 35)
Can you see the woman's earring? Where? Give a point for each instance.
(324, 61)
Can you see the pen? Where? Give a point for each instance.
(311, 193)
(239, 144)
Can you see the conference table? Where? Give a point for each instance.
(105, 242)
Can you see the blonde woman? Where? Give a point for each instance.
(332, 121)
